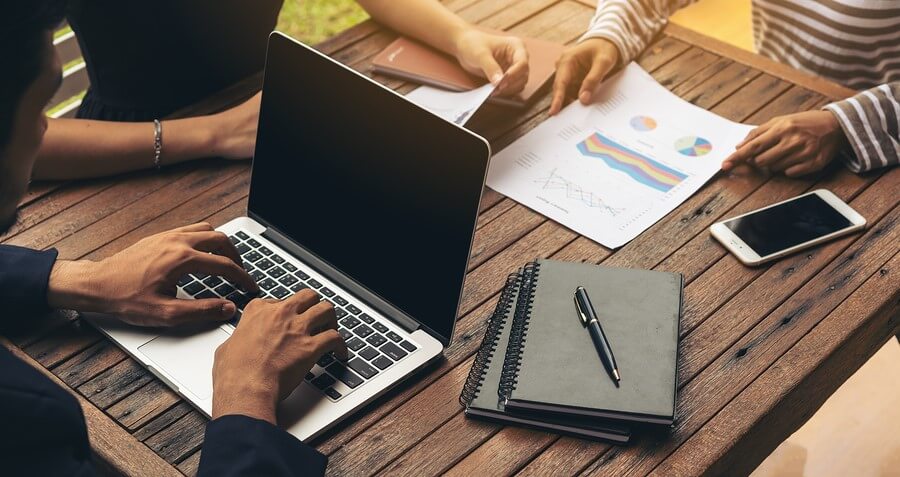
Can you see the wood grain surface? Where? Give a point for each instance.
(761, 348)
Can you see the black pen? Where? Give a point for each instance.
(589, 319)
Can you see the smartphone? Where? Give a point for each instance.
(787, 227)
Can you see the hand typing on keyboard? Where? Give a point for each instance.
(269, 354)
(138, 284)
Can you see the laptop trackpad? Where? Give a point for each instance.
(187, 357)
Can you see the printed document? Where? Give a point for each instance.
(456, 107)
(612, 169)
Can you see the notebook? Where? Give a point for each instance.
(479, 395)
(413, 61)
(551, 365)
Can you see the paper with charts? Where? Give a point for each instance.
(611, 170)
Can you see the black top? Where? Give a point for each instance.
(43, 431)
(146, 59)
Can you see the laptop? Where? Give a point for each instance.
(360, 195)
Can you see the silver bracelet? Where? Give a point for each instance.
(157, 143)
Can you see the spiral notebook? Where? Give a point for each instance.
(551, 365)
(480, 397)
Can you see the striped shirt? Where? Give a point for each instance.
(851, 42)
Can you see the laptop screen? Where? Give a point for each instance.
(376, 187)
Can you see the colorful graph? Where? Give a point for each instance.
(693, 146)
(643, 123)
(638, 166)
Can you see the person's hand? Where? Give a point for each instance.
(503, 60)
(271, 351)
(234, 130)
(580, 69)
(137, 285)
(796, 144)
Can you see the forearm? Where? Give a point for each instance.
(425, 20)
(631, 24)
(871, 121)
(77, 148)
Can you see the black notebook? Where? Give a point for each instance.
(551, 365)
(480, 398)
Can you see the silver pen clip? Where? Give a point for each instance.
(581, 315)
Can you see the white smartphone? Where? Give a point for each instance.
(787, 227)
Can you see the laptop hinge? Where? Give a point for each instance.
(393, 313)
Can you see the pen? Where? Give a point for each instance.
(589, 319)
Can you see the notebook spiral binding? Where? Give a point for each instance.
(489, 341)
(518, 331)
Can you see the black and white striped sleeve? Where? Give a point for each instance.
(871, 121)
(631, 24)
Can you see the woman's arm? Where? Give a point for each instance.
(501, 59)
(80, 148)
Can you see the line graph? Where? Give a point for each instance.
(575, 192)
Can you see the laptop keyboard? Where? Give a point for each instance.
(372, 346)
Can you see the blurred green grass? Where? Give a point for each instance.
(312, 21)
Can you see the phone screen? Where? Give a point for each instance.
(787, 225)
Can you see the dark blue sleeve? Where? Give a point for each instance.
(243, 446)
(24, 274)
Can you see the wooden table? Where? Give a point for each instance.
(762, 348)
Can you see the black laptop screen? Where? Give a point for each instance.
(369, 183)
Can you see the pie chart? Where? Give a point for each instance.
(693, 146)
(643, 123)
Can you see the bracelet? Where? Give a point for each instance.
(157, 143)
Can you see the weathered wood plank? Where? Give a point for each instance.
(796, 385)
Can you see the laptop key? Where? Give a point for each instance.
(394, 337)
(288, 280)
(368, 353)
(193, 288)
(350, 322)
(339, 371)
(333, 393)
(280, 292)
(323, 381)
(345, 333)
(276, 272)
(240, 299)
(376, 340)
(213, 281)
(242, 248)
(312, 281)
(302, 275)
(393, 351)
(297, 287)
(365, 317)
(290, 267)
(265, 250)
(362, 368)
(277, 258)
(252, 256)
(341, 300)
(353, 309)
(355, 344)
(264, 264)
(408, 346)
(339, 313)
(224, 289)
(382, 362)
(234, 239)
(200, 276)
(185, 280)
(268, 284)
(310, 376)
(380, 327)
(257, 276)
(326, 291)
(363, 331)
(242, 235)
(205, 294)
(253, 243)
(325, 360)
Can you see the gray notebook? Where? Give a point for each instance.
(551, 365)
(479, 396)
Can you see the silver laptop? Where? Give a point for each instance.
(359, 195)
